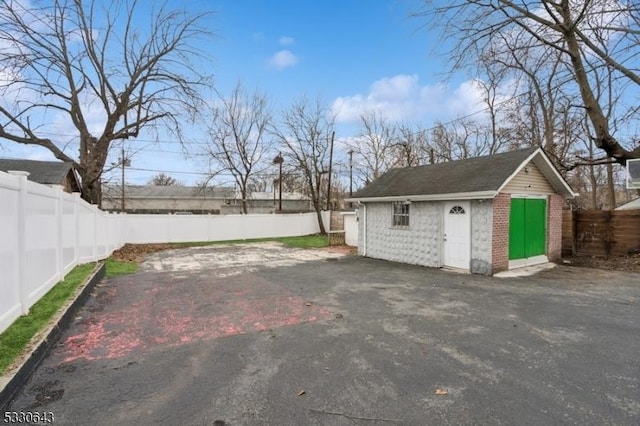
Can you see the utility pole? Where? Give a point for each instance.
(279, 160)
(123, 162)
(333, 134)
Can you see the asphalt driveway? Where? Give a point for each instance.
(262, 334)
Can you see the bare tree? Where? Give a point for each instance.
(577, 30)
(304, 135)
(373, 148)
(92, 66)
(458, 140)
(238, 134)
(163, 179)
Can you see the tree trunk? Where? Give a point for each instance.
(243, 194)
(91, 185)
(611, 187)
(93, 156)
(316, 205)
(603, 140)
(594, 187)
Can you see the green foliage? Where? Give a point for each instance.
(14, 339)
(116, 268)
(308, 241)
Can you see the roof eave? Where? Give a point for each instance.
(477, 195)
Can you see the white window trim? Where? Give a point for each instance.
(407, 215)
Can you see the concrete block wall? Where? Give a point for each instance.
(418, 244)
(554, 227)
(500, 236)
(481, 236)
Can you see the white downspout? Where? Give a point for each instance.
(364, 226)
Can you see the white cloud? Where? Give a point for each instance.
(286, 41)
(402, 97)
(283, 59)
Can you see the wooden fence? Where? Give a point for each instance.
(600, 233)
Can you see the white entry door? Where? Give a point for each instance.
(457, 234)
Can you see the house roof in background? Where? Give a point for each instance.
(178, 191)
(474, 177)
(631, 205)
(285, 196)
(44, 172)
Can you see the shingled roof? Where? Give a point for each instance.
(474, 177)
(44, 172)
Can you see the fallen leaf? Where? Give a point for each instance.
(441, 392)
(302, 392)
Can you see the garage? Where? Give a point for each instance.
(481, 215)
(527, 231)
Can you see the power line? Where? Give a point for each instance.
(188, 143)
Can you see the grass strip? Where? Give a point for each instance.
(15, 338)
(306, 241)
(115, 268)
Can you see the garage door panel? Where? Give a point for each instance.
(527, 228)
(535, 223)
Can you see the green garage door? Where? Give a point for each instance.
(527, 228)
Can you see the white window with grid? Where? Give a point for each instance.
(401, 214)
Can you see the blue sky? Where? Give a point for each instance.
(357, 55)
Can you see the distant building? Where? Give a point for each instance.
(50, 173)
(631, 205)
(153, 199)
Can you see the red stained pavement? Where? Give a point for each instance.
(136, 314)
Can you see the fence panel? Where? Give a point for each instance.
(141, 229)
(625, 232)
(86, 233)
(44, 234)
(10, 307)
(41, 238)
(69, 232)
(187, 228)
(601, 233)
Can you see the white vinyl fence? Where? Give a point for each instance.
(150, 228)
(45, 232)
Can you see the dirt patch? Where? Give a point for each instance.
(629, 263)
(137, 252)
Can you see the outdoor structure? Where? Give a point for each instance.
(145, 199)
(483, 215)
(51, 173)
(631, 205)
(268, 202)
(152, 199)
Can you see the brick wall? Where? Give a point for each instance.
(500, 237)
(554, 227)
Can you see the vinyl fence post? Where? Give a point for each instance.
(22, 245)
(60, 245)
(76, 221)
(95, 233)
